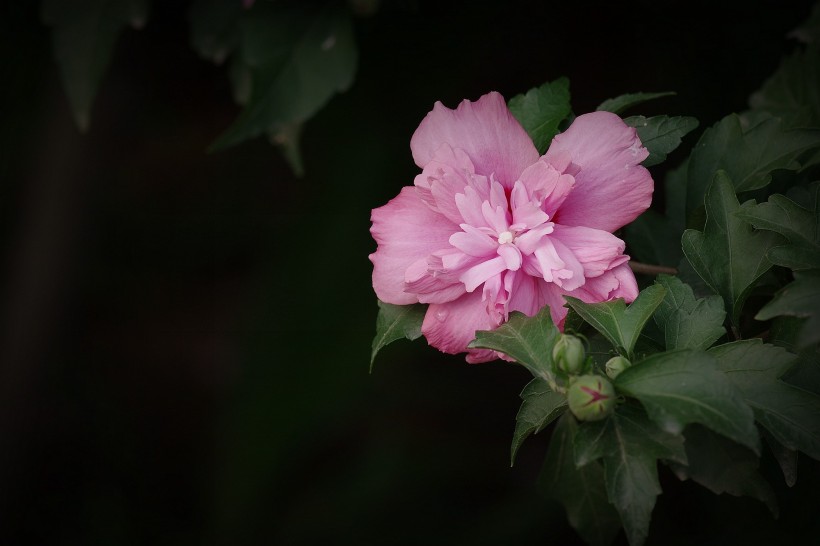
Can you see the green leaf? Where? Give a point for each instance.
(528, 340)
(688, 323)
(620, 324)
(540, 407)
(84, 33)
(722, 466)
(630, 445)
(651, 238)
(793, 91)
(800, 298)
(728, 254)
(786, 458)
(682, 387)
(396, 322)
(788, 413)
(809, 31)
(748, 156)
(800, 226)
(298, 59)
(215, 28)
(541, 110)
(624, 102)
(581, 490)
(661, 134)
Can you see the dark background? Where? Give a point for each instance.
(185, 336)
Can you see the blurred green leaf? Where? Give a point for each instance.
(630, 446)
(809, 31)
(215, 28)
(788, 413)
(541, 110)
(84, 33)
(748, 156)
(298, 59)
(722, 466)
(793, 91)
(540, 407)
(624, 102)
(661, 134)
(800, 298)
(396, 322)
(582, 490)
(682, 387)
(688, 323)
(651, 238)
(620, 324)
(800, 226)
(729, 255)
(528, 340)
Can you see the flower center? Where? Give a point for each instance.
(505, 237)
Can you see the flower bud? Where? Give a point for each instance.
(591, 398)
(615, 365)
(568, 355)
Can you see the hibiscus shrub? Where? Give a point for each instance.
(507, 246)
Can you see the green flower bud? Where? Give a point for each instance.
(568, 355)
(615, 365)
(591, 398)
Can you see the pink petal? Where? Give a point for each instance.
(428, 287)
(596, 250)
(449, 327)
(618, 282)
(511, 255)
(530, 294)
(611, 187)
(546, 184)
(473, 242)
(473, 277)
(406, 230)
(485, 130)
(443, 178)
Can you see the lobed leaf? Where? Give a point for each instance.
(620, 324)
(626, 101)
(630, 445)
(800, 298)
(688, 323)
(652, 238)
(528, 340)
(661, 134)
(682, 387)
(541, 110)
(792, 93)
(748, 156)
(728, 254)
(540, 407)
(582, 491)
(788, 413)
(722, 466)
(800, 226)
(396, 322)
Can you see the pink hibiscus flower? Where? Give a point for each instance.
(490, 227)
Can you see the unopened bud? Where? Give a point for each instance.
(568, 355)
(591, 398)
(615, 365)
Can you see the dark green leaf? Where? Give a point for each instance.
(528, 340)
(620, 324)
(84, 34)
(675, 186)
(786, 458)
(652, 239)
(800, 226)
(581, 490)
(805, 372)
(748, 157)
(298, 59)
(793, 92)
(624, 102)
(723, 466)
(630, 445)
(396, 322)
(728, 254)
(688, 323)
(540, 407)
(788, 413)
(682, 387)
(809, 31)
(800, 298)
(661, 134)
(215, 28)
(541, 110)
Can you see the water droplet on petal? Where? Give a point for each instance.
(441, 315)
